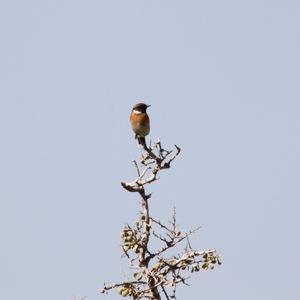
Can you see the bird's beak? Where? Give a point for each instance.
(148, 106)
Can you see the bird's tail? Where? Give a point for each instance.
(141, 140)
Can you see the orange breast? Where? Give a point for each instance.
(140, 124)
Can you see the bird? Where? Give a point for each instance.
(140, 122)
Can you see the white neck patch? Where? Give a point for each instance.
(137, 112)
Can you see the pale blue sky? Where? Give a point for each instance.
(223, 81)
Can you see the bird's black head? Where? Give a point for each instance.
(141, 107)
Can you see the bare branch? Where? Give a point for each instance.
(164, 273)
(137, 167)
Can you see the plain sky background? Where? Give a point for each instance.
(223, 80)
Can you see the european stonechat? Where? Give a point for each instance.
(140, 122)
